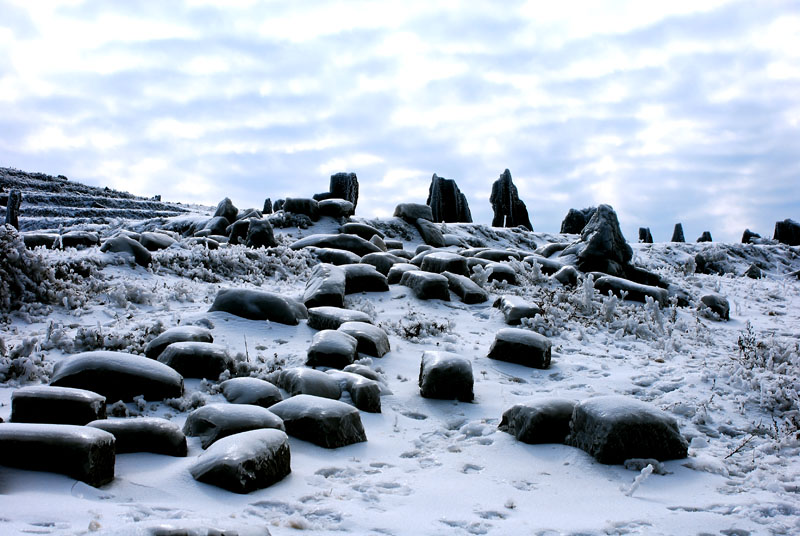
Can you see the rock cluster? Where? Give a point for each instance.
(576, 220)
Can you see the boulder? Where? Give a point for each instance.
(539, 421)
(548, 250)
(397, 270)
(197, 359)
(365, 393)
(360, 229)
(465, 288)
(427, 286)
(335, 256)
(208, 243)
(267, 206)
(547, 266)
(515, 308)
(787, 232)
(12, 208)
(80, 452)
(336, 208)
(259, 305)
(345, 186)
(365, 371)
(382, 261)
(249, 213)
(217, 225)
(278, 205)
(522, 347)
(352, 243)
(393, 244)
(444, 261)
(118, 376)
(613, 429)
(245, 462)
(145, 434)
(227, 210)
(378, 241)
(635, 291)
(56, 405)
(371, 340)
(718, 305)
(327, 317)
(644, 235)
(260, 234)
(306, 206)
(215, 421)
(446, 376)
(509, 210)
(79, 239)
(501, 272)
(748, 236)
(753, 272)
(36, 239)
(306, 381)
(498, 255)
(602, 248)
(322, 421)
(567, 276)
(705, 237)
(363, 278)
(332, 348)
(677, 234)
(411, 212)
(325, 287)
(177, 334)
(576, 220)
(156, 241)
(430, 232)
(129, 247)
(250, 391)
(447, 202)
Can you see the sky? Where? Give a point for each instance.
(679, 111)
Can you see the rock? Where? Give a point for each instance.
(327, 317)
(56, 405)
(332, 348)
(713, 261)
(402, 253)
(248, 214)
(217, 225)
(635, 291)
(748, 236)
(645, 236)
(411, 212)
(548, 250)
(397, 270)
(345, 186)
(79, 239)
(267, 206)
(145, 434)
(501, 272)
(378, 241)
(12, 208)
(576, 220)
(156, 241)
(430, 232)
(130, 247)
(371, 340)
(363, 278)
(259, 305)
(498, 255)
(322, 196)
(35, 239)
(754, 272)
(365, 393)
(444, 375)
(718, 305)
(522, 347)
(245, 462)
(539, 421)
(567, 276)
(208, 243)
(197, 359)
(613, 429)
(642, 276)
(705, 237)
(250, 391)
(444, 261)
(787, 232)
(447, 202)
(260, 234)
(363, 370)
(360, 229)
(278, 205)
(602, 248)
(677, 233)
(335, 256)
(308, 207)
(336, 208)
(212, 422)
(547, 266)
(509, 210)
(352, 243)
(326, 287)
(227, 210)
(177, 334)
(515, 308)
(382, 261)
(465, 288)
(322, 421)
(427, 286)
(80, 452)
(393, 244)
(306, 381)
(118, 376)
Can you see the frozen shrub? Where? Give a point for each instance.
(24, 276)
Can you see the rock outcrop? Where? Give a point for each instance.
(447, 202)
(576, 220)
(677, 234)
(787, 232)
(509, 210)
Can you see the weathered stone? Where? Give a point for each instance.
(427, 286)
(501, 272)
(547, 266)
(548, 250)
(129, 247)
(634, 291)
(447, 202)
(322, 421)
(332, 348)
(567, 276)
(602, 248)
(197, 359)
(522, 347)
(363, 370)
(278, 205)
(336, 208)
(347, 242)
(56, 405)
(718, 305)
(250, 391)
(382, 261)
(444, 261)
(325, 287)
(177, 334)
(677, 233)
(80, 239)
(267, 206)
(335, 256)
(237, 232)
(345, 186)
(260, 234)
(539, 421)
(360, 229)
(447, 376)
(430, 233)
(227, 210)
(34, 239)
(644, 235)
(12, 208)
(363, 278)
(371, 340)
(155, 241)
(515, 308)
(249, 213)
(259, 305)
(465, 288)
(509, 210)
(753, 272)
(212, 422)
(705, 237)
(306, 206)
(327, 317)
(787, 232)
(411, 212)
(378, 241)
(208, 243)
(576, 220)
(397, 270)
(365, 393)
(145, 434)
(498, 255)
(306, 381)
(217, 225)
(392, 244)
(748, 236)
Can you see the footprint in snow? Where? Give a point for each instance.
(471, 468)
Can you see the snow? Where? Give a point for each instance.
(437, 466)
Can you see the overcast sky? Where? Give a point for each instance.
(678, 111)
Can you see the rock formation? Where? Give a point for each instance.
(787, 232)
(677, 234)
(705, 237)
(748, 236)
(645, 236)
(509, 210)
(576, 220)
(12, 208)
(447, 202)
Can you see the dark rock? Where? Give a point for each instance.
(80, 239)
(754, 272)
(145, 434)
(567, 276)
(642, 276)
(371, 340)
(718, 305)
(208, 243)
(602, 248)
(365, 393)
(322, 421)
(522, 347)
(465, 288)
(748, 236)
(332, 348)
(80, 452)
(227, 210)
(447, 202)
(250, 391)
(397, 270)
(613, 429)
(515, 308)
(634, 291)
(154, 241)
(12, 208)
(444, 261)
(787, 232)
(645, 236)
(498, 255)
(130, 247)
(322, 196)
(430, 233)
(249, 213)
(335, 256)
(306, 381)
(118, 376)
(308, 207)
(539, 421)
(382, 261)
(278, 205)
(56, 405)
(444, 375)
(34, 239)
(212, 422)
(548, 250)
(197, 359)
(677, 233)
(347, 242)
(411, 212)
(336, 208)
(360, 229)
(547, 266)
(345, 186)
(713, 261)
(217, 225)
(332, 317)
(177, 334)
(237, 232)
(501, 272)
(576, 220)
(393, 244)
(509, 210)
(260, 234)
(705, 237)
(325, 287)
(246, 462)
(427, 286)
(378, 241)
(267, 206)
(259, 305)
(363, 278)
(363, 370)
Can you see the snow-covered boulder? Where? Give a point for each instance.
(322, 421)
(465, 288)
(427, 286)
(215, 421)
(634, 291)
(80, 452)
(237, 231)
(547, 266)
(431, 233)
(363, 278)
(260, 234)
(326, 286)
(372, 340)
(522, 347)
(298, 381)
(227, 210)
(498, 255)
(332, 317)
(336, 208)
(378, 241)
(79, 239)
(360, 229)
(539, 421)
(614, 429)
(177, 334)
(382, 261)
(335, 256)
(118, 376)
(145, 434)
(306, 206)
(787, 232)
(245, 462)
(753, 272)
(34, 239)
(197, 359)
(499, 271)
(445, 375)
(331, 348)
(354, 244)
(718, 305)
(445, 261)
(56, 405)
(363, 370)
(515, 308)
(128, 247)
(411, 212)
(155, 241)
(365, 393)
(259, 305)
(567, 276)
(250, 391)
(217, 226)
(397, 270)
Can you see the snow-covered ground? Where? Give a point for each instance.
(442, 467)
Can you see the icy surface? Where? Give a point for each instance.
(215, 421)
